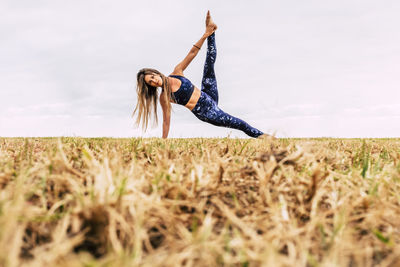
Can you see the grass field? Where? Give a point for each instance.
(199, 202)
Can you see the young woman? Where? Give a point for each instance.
(178, 89)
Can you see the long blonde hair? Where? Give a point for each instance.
(148, 97)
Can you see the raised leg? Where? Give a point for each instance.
(209, 81)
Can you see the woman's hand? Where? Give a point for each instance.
(210, 30)
(211, 27)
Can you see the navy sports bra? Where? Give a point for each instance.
(184, 92)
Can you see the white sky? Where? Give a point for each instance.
(297, 68)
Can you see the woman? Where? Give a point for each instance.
(178, 89)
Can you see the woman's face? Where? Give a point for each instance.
(153, 80)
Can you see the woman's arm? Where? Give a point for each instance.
(193, 51)
(166, 114)
(190, 56)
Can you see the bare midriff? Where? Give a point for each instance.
(193, 99)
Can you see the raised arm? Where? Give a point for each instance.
(166, 113)
(190, 56)
(210, 28)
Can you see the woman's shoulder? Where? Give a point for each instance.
(177, 71)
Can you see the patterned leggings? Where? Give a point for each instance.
(207, 108)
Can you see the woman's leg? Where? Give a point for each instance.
(209, 82)
(207, 110)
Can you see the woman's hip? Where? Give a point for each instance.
(205, 107)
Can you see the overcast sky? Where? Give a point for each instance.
(296, 68)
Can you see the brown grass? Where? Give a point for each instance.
(199, 202)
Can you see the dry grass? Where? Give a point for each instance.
(199, 202)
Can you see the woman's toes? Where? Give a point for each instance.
(208, 18)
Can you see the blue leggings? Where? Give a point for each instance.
(207, 108)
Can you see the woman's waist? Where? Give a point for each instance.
(194, 98)
(198, 99)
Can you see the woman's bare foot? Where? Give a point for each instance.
(208, 18)
(210, 23)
